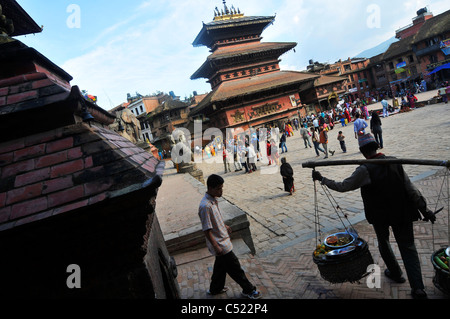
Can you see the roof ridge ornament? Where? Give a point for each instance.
(226, 13)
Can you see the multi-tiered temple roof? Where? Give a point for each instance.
(240, 64)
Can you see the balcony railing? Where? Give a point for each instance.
(428, 50)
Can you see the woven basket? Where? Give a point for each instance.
(441, 279)
(350, 267)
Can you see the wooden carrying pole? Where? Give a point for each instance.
(377, 161)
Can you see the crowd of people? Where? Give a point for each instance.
(246, 151)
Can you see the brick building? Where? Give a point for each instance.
(401, 65)
(423, 15)
(169, 115)
(421, 49)
(324, 95)
(431, 47)
(357, 84)
(72, 191)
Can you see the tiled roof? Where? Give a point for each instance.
(222, 29)
(220, 23)
(40, 81)
(245, 52)
(327, 79)
(167, 105)
(399, 48)
(17, 92)
(435, 26)
(225, 52)
(61, 170)
(253, 85)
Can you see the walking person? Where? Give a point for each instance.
(323, 137)
(341, 139)
(243, 156)
(219, 243)
(226, 162)
(275, 156)
(305, 135)
(237, 161)
(359, 126)
(390, 201)
(375, 128)
(283, 143)
(316, 142)
(287, 173)
(347, 115)
(251, 158)
(316, 124)
(269, 152)
(385, 105)
(343, 119)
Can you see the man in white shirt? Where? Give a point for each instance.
(219, 243)
(316, 124)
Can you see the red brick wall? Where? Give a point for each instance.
(48, 174)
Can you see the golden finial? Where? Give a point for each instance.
(226, 13)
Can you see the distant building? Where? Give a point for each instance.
(324, 95)
(418, 54)
(422, 53)
(357, 82)
(141, 106)
(423, 15)
(402, 65)
(376, 70)
(169, 115)
(432, 48)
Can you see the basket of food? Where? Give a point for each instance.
(339, 240)
(342, 258)
(440, 261)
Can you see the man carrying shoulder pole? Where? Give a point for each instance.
(390, 200)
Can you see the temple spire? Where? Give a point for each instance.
(225, 7)
(227, 13)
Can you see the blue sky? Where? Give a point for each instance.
(145, 46)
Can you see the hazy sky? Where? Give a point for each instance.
(112, 48)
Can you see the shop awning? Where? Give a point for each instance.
(439, 68)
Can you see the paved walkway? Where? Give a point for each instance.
(283, 226)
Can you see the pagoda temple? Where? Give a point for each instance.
(249, 90)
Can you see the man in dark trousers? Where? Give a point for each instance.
(390, 200)
(219, 243)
